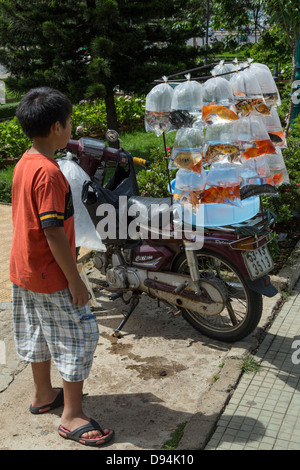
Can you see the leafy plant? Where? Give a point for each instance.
(153, 181)
(8, 110)
(6, 184)
(12, 139)
(89, 117)
(287, 204)
(130, 112)
(249, 364)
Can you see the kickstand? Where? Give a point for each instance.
(133, 304)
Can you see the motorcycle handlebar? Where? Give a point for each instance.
(95, 149)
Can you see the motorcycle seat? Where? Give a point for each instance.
(151, 210)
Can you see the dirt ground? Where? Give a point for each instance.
(159, 374)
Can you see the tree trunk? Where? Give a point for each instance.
(290, 113)
(111, 113)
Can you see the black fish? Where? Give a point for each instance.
(275, 138)
(256, 190)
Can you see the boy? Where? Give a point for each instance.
(50, 312)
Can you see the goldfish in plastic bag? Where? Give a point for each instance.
(157, 121)
(221, 195)
(271, 99)
(189, 161)
(190, 197)
(247, 106)
(260, 107)
(243, 107)
(221, 111)
(217, 152)
(261, 147)
(277, 138)
(277, 178)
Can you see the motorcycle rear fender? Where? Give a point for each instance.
(262, 286)
(234, 256)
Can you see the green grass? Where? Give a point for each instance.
(249, 364)
(140, 143)
(172, 443)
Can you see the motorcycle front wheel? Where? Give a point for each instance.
(243, 307)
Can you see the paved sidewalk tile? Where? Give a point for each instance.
(263, 413)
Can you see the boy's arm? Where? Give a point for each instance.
(61, 250)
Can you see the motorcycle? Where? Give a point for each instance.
(217, 286)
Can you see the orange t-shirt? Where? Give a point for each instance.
(41, 197)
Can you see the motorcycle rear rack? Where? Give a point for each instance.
(256, 226)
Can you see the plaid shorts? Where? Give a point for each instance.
(50, 326)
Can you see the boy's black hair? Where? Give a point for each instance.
(40, 108)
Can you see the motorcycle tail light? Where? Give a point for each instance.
(250, 243)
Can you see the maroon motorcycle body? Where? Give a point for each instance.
(217, 287)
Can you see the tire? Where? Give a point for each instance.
(243, 307)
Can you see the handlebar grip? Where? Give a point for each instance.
(140, 161)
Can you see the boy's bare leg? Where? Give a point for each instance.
(44, 393)
(73, 416)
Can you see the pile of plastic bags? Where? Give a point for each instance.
(228, 134)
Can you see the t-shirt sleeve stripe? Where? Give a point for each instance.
(51, 218)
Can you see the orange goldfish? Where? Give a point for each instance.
(220, 194)
(246, 106)
(211, 195)
(190, 197)
(260, 107)
(194, 198)
(197, 168)
(277, 178)
(216, 152)
(221, 111)
(262, 147)
(187, 161)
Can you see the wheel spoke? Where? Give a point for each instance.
(236, 305)
(231, 313)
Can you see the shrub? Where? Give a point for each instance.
(130, 112)
(13, 141)
(89, 118)
(153, 181)
(287, 204)
(6, 184)
(8, 110)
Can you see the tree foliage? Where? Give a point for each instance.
(86, 48)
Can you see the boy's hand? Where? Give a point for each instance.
(79, 292)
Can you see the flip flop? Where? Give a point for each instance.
(59, 401)
(91, 426)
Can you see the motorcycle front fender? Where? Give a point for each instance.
(263, 286)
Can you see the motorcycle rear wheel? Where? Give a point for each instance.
(243, 307)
